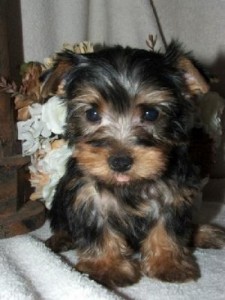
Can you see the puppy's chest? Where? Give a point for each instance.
(127, 202)
(129, 211)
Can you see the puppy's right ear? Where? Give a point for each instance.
(53, 79)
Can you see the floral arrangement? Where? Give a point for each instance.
(41, 125)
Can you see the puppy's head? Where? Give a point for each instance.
(127, 108)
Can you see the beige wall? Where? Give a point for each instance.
(48, 24)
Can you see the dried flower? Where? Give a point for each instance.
(151, 42)
(83, 47)
(48, 62)
(7, 87)
(31, 86)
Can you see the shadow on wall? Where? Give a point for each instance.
(218, 68)
(214, 190)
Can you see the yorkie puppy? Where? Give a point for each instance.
(132, 183)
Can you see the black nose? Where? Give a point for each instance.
(120, 163)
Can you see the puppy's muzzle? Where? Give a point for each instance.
(120, 163)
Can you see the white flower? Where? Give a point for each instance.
(56, 171)
(54, 114)
(31, 130)
(30, 144)
(48, 165)
(35, 109)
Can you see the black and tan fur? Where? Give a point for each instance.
(132, 183)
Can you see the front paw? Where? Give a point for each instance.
(60, 242)
(170, 269)
(119, 272)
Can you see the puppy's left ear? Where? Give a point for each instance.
(197, 79)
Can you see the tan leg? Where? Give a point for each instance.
(111, 264)
(165, 259)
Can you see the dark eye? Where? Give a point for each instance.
(92, 115)
(150, 114)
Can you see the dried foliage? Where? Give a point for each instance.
(151, 42)
(8, 87)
